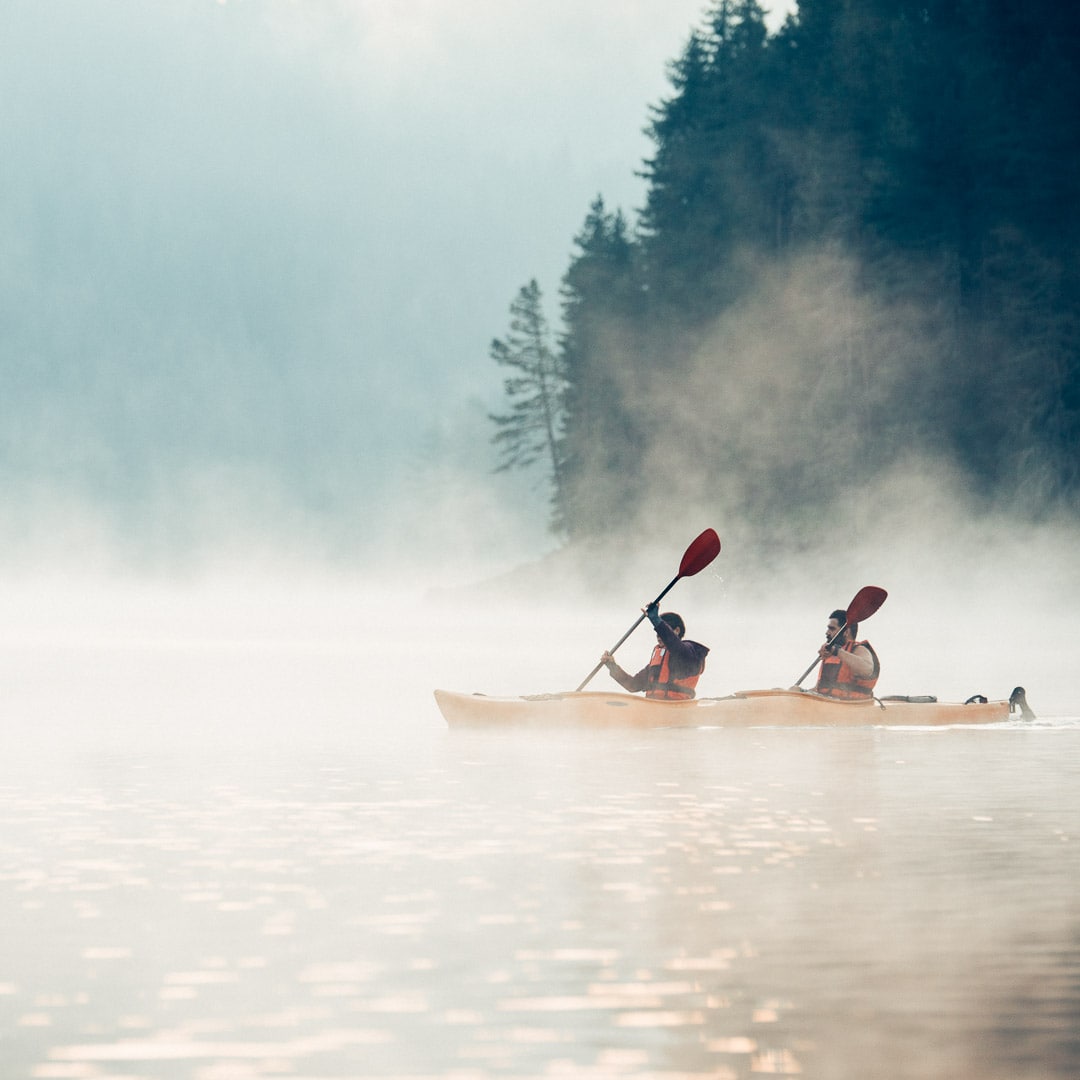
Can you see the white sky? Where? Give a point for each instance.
(252, 255)
(266, 243)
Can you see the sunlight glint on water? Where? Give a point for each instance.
(237, 841)
(682, 904)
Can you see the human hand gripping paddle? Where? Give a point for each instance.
(863, 604)
(697, 556)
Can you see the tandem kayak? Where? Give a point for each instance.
(746, 708)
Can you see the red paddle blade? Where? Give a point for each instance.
(700, 553)
(865, 602)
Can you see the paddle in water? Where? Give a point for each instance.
(863, 604)
(697, 556)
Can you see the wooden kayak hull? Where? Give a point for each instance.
(746, 708)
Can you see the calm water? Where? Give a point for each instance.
(683, 904)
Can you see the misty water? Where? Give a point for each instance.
(223, 856)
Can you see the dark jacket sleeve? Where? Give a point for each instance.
(686, 657)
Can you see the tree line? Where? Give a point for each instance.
(858, 247)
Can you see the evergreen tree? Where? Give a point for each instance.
(529, 431)
(602, 440)
(706, 197)
(926, 155)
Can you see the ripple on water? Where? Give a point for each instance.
(720, 909)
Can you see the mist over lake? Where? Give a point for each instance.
(254, 256)
(243, 857)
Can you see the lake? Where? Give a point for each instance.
(676, 904)
(237, 841)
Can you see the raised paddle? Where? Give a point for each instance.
(697, 556)
(863, 604)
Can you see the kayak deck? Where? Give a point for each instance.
(745, 708)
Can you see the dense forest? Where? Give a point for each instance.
(857, 254)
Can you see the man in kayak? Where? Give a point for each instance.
(849, 667)
(674, 667)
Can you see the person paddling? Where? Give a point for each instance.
(849, 667)
(674, 667)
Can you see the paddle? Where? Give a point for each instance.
(863, 604)
(697, 556)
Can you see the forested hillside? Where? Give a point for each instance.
(857, 253)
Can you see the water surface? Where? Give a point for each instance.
(680, 904)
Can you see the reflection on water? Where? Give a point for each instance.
(681, 904)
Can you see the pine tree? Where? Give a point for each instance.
(713, 176)
(924, 155)
(602, 440)
(529, 431)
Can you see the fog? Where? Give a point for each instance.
(254, 254)
(293, 657)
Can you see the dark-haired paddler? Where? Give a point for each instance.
(674, 667)
(849, 667)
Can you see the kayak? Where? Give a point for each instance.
(745, 708)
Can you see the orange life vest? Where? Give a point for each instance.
(837, 680)
(662, 685)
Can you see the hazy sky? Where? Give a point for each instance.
(252, 255)
(253, 252)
